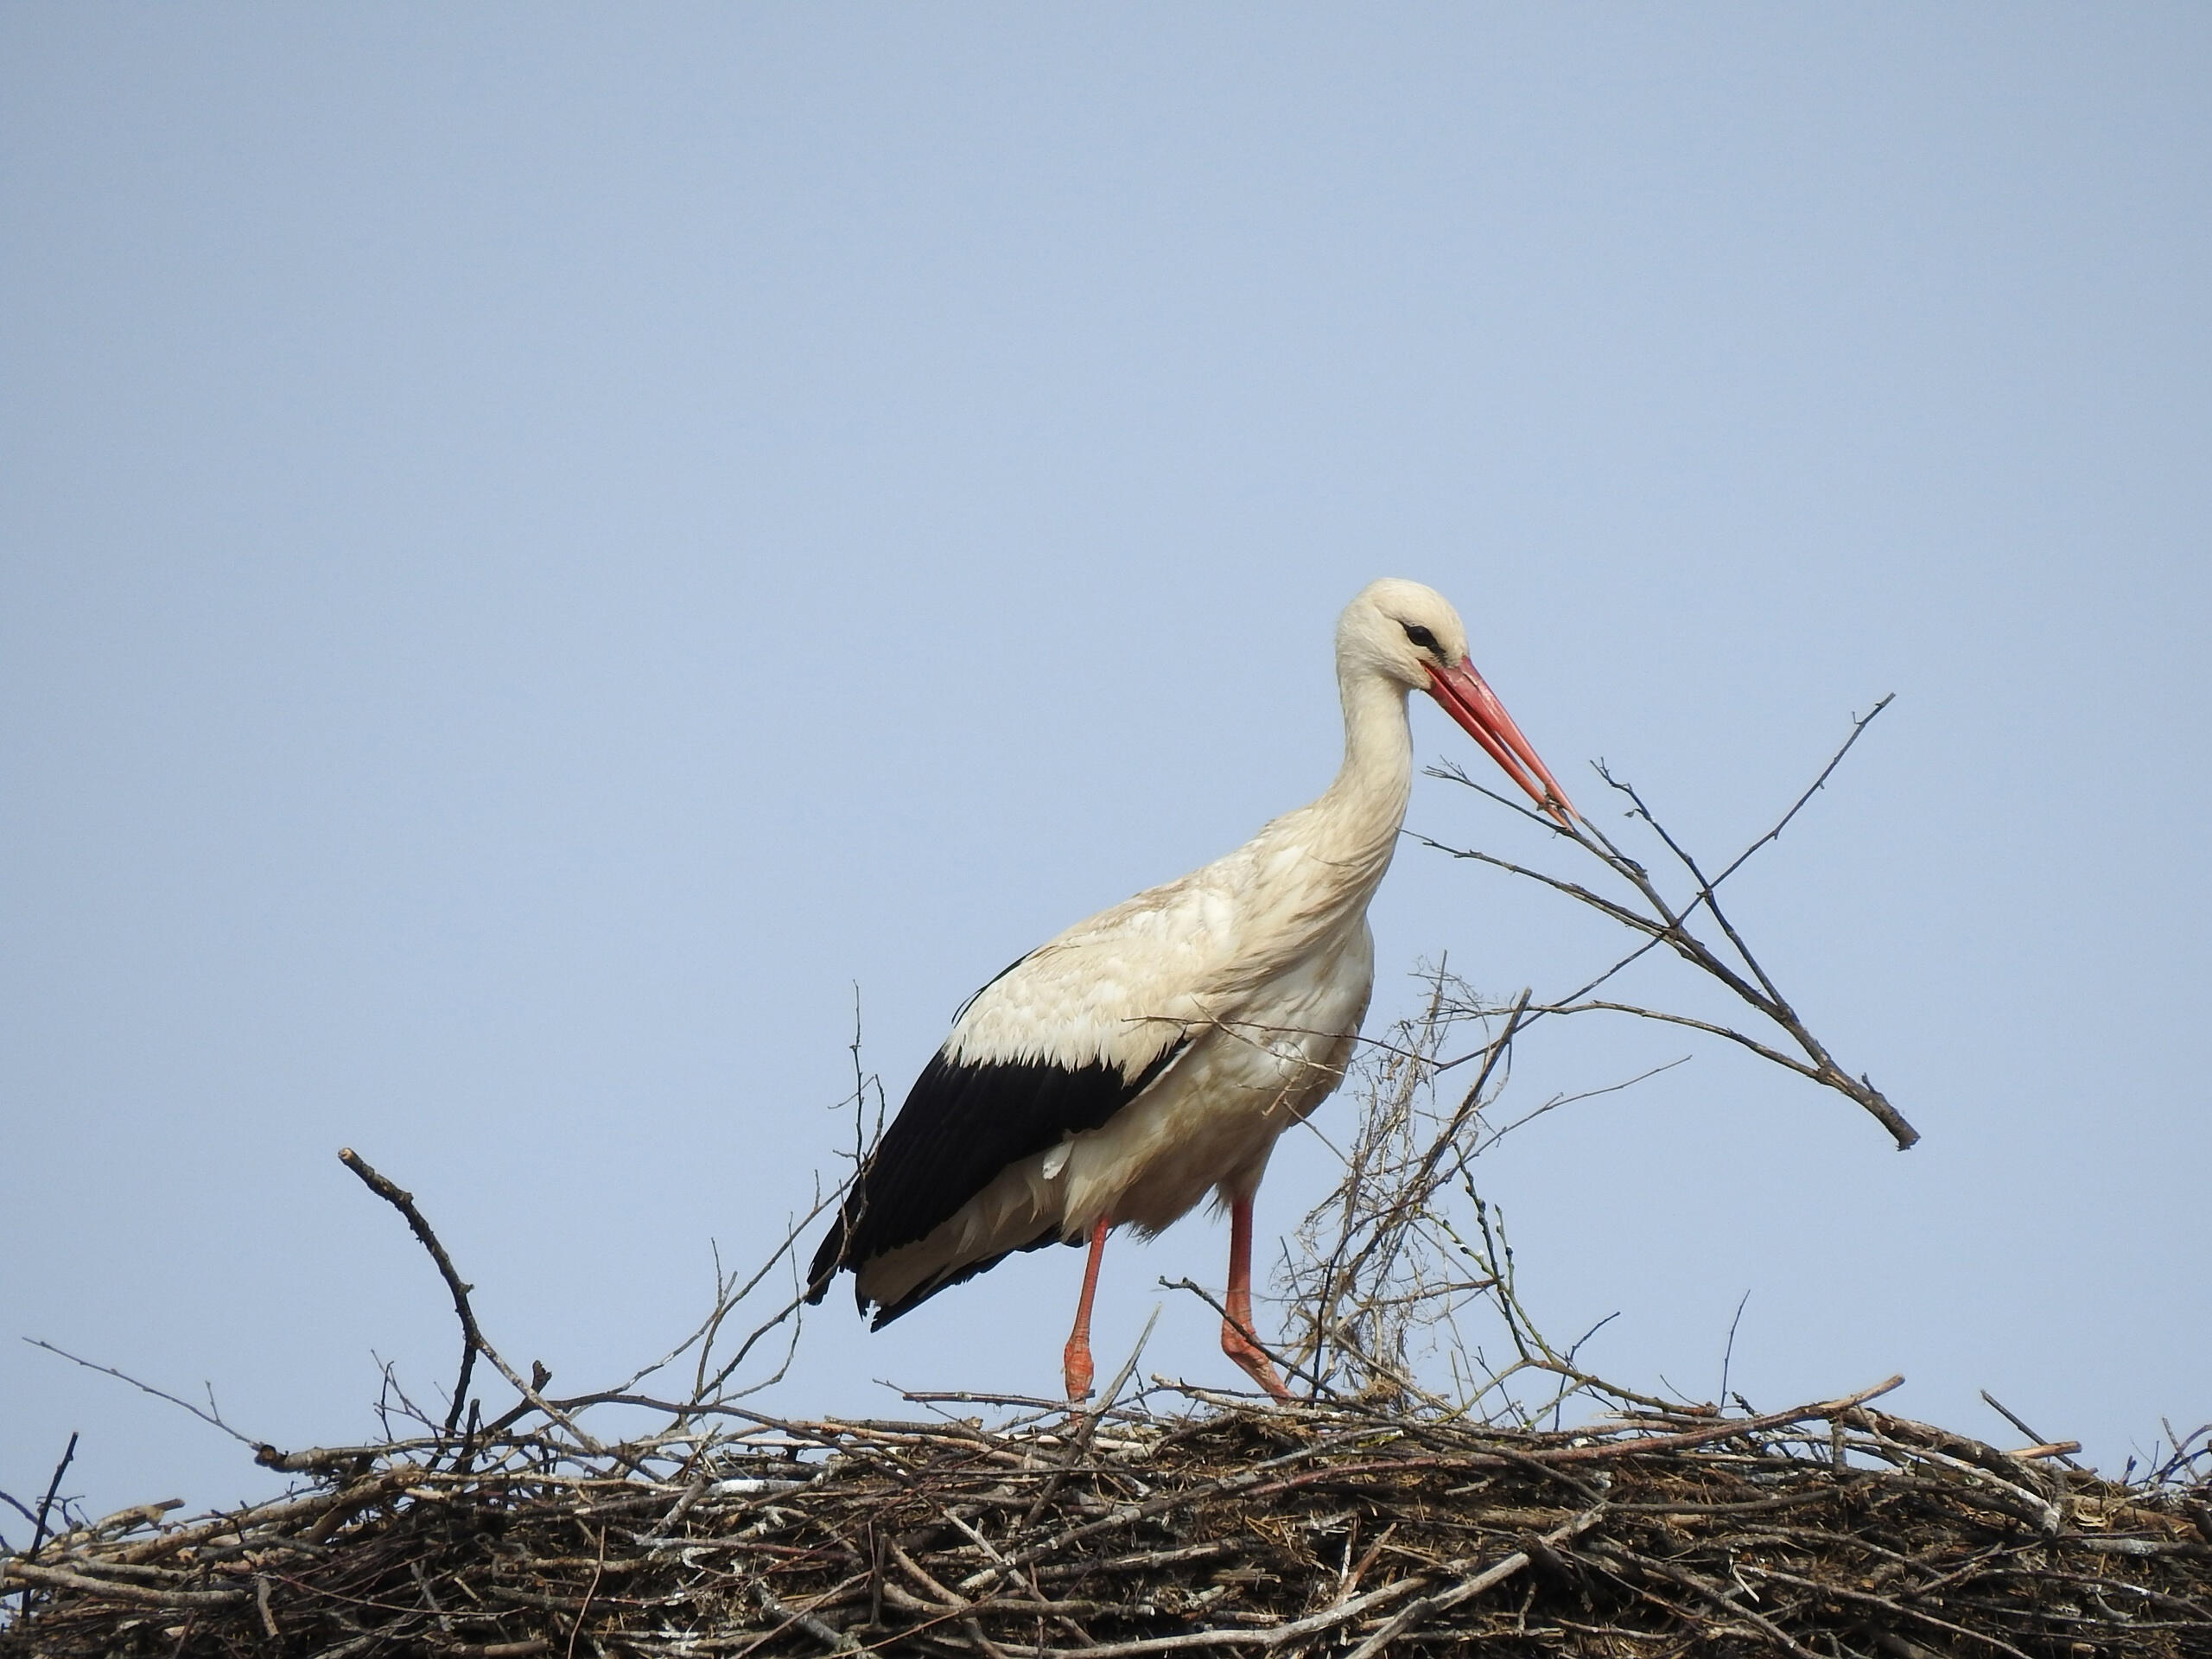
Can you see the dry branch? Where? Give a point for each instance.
(472, 1338)
(1658, 920)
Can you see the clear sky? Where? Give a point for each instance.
(541, 546)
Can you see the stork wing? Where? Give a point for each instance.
(964, 1122)
(1055, 1046)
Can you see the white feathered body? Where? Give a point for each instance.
(1259, 965)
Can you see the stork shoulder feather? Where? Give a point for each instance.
(1119, 986)
(1123, 986)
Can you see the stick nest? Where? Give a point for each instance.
(1183, 1522)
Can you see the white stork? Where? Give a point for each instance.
(1116, 1073)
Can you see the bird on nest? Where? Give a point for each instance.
(1156, 1051)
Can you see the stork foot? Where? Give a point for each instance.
(1251, 1359)
(1075, 1362)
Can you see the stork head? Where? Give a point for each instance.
(1410, 634)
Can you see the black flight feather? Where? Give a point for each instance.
(963, 1125)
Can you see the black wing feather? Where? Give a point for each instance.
(964, 1123)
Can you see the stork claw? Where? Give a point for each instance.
(1251, 1358)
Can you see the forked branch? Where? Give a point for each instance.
(1649, 913)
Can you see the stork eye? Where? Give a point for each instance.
(1420, 636)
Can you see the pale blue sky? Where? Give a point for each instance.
(540, 545)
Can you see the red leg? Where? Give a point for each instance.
(1076, 1358)
(1237, 1340)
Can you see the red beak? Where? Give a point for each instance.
(1476, 707)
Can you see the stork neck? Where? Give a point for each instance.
(1366, 804)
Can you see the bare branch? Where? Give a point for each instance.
(1663, 923)
(211, 1420)
(472, 1337)
(472, 1340)
(46, 1507)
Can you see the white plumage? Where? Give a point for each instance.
(1156, 1051)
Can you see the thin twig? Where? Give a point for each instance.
(212, 1421)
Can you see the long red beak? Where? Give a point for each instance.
(1476, 707)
